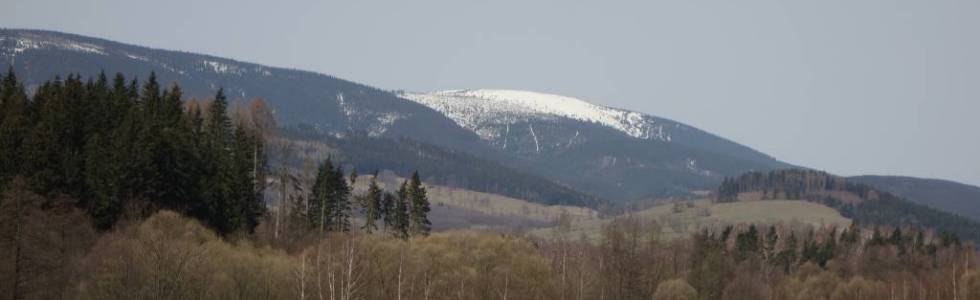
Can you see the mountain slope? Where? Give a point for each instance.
(614, 154)
(622, 154)
(861, 202)
(330, 104)
(948, 196)
(436, 164)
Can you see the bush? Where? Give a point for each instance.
(675, 289)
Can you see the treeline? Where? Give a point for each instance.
(785, 261)
(860, 202)
(119, 147)
(329, 208)
(170, 256)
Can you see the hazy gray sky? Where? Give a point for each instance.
(852, 87)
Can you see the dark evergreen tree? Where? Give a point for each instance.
(419, 214)
(387, 211)
(401, 218)
(340, 200)
(319, 209)
(747, 243)
(15, 120)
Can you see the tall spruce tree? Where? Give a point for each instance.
(419, 214)
(387, 211)
(15, 120)
(319, 210)
(340, 200)
(401, 215)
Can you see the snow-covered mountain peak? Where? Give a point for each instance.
(480, 109)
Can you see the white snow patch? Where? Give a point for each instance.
(137, 57)
(222, 68)
(477, 109)
(25, 43)
(537, 147)
(384, 122)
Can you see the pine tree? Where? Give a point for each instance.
(249, 176)
(401, 220)
(318, 209)
(340, 199)
(226, 211)
(387, 211)
(747, 243)
(419, 214)
(14, 123)
(371, 205)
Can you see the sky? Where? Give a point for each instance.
(851, 87)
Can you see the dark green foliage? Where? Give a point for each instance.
(747, 243)
(401, 215)
(125, 147)
(419, 211)
(15, 120)
(319, 208)
(329, 206)
(387, 212)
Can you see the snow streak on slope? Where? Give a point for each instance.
(21, 44)
(480, 110)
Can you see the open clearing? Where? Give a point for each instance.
(683, 218)
(456, 208)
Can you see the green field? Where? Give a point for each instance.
(684, 218)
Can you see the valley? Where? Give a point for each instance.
(202, 177)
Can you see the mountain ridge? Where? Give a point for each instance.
(603, 158)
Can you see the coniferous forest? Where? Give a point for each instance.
(123, 189)
(118, 146)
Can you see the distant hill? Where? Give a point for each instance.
(948, 196)
(298, 97)
(682, 219)
(613, 154)
(621, 154)
(437, 165)
(861, 202)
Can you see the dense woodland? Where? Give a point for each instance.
(121, 190)
(441, 166)
(117, 147)
(860, 202)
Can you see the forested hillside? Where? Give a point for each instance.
(441, 165)
(860, 202)
(613, 155)
(948, 196)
